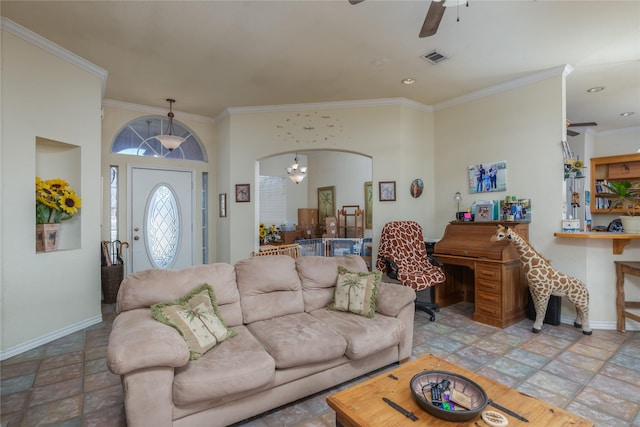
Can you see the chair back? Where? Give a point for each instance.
(293, 250)
(402, 243)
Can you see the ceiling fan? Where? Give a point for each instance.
(578, 125)
(434, 15)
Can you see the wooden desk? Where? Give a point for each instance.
(362, 405)
(622, 268)
(492, 277)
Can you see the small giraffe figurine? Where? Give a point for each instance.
(544, 281)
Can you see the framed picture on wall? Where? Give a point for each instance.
(488, 177)
(222, 204)
(368, 205)
(326, 203)
(243, 192)
(387, 191)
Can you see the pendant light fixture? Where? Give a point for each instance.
(169, 140)
(295, 172)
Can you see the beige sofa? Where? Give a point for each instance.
(288, 344)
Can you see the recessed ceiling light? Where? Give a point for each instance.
(595, 89)
(627, 113)
(408, 81)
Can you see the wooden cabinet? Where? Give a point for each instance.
(488, 274)
(625, 167)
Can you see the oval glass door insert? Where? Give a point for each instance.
(163, 227)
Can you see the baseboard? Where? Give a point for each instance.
(47, 338)
(631, 326)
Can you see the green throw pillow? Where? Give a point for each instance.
(196, 317)
(356, 292)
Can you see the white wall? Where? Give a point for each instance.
(45, 95)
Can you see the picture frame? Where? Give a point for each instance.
(368, 205)
(222, 205)
(243, 193)
(326, 203)
(387, 191)
(513, 209)
(417, 186)
(484, 212)
(487, 177)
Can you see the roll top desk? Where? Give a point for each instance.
(483, 272)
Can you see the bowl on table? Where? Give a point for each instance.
(475, 398)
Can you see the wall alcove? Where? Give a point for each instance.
(55, 159)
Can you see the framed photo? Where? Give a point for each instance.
(222, 205)
(368, 205)
(417, 186)
(326, 203)
(484, 212)
(243, 192)
(488, 177)
(512, 209)
(387, 191)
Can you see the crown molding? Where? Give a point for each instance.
(403, 102)
(54, 49)
(156, 111)
(563, 70)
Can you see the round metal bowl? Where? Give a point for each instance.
(421, 389)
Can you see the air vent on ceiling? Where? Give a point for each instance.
(433, 57)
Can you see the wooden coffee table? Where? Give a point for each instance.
(362, 405)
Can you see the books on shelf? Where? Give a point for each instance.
(602, 188)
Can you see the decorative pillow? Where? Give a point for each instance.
(356, 292)
(196, 317)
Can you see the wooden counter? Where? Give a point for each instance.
(619, 240)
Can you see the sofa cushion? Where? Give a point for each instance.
(269, 287)
(298, 339)
(364, 335)
(197, 318)
(235, 366)
(319, 274)
(144, 288)
(356, 292)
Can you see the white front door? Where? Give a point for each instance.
(161, 218)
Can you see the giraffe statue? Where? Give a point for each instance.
(544, 281)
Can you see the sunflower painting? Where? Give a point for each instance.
(55, 201)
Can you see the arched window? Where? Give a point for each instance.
(137, 138)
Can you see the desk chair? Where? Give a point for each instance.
(402, 256)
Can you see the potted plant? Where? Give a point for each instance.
(626, 195)
(55, 202)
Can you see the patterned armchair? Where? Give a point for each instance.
(402, 256)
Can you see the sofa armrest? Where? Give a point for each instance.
(393, 297)
(138, 341)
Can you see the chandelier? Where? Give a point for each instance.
(296, 172)
(169, 140)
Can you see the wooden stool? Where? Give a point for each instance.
(622, 268)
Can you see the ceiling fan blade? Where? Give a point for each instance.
(355, 1)
(581, 125)
(572, 133)
(433, 18)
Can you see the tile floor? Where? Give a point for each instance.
(66, 382)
